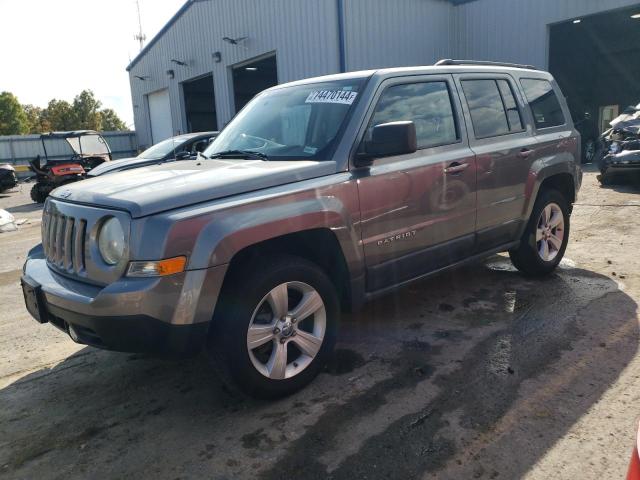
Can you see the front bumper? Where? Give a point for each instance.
(163, 314)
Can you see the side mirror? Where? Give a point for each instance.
(388, 139)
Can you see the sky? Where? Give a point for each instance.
(57, 48)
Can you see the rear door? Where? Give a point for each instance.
(505, 149)
(418, 210)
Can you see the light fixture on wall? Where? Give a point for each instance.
(171, 74)
(251, 69)
(577, 20)
(179, 62)
(217, 57)
(636, 16)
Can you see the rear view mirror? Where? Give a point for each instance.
(183, 155)
(388, 139)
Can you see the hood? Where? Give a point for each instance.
(148, 190)
(122, 164)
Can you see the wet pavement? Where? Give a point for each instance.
(478, 373)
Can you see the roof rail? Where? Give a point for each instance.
(449, 61)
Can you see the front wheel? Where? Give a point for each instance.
(545, 238)
(276, 325)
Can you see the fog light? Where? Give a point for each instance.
(159, 268)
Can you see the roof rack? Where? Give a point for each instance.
(449, 61)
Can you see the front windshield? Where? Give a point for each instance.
(162, 149)
(89, 145)
(300, 122)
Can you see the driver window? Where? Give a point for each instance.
(427, 104)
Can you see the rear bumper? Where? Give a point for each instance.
(164, 314)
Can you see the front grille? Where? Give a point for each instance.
(63, 240)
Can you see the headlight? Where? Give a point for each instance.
(111, 241)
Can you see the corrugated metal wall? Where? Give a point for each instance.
(303, 32)
(377, 33)
(383, 33)
(517, 30)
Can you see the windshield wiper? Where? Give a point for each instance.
(240, 154)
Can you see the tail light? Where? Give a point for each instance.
(67, 169)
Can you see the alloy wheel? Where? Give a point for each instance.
(550, 232)
(286, 330)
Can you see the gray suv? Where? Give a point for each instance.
(320, 195)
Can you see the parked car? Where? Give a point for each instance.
(175, 148)
(8, 178)
(319, 195)
(619, 151)
(88, 149)
(633, 472)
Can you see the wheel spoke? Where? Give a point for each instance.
(279, 301)
(555, 241)
(555, 220)
(544, 250)
(259, 335)
(539, 234)
(311, 302)
(277, 364)
(546, 214)
(308, 343)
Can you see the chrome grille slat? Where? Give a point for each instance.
(51, 235)
(68, 245)
(43, 229)
(60, 239)
(78, 245)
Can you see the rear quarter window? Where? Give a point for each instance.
(543, 102)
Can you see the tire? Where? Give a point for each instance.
(249, 302)
(37, 195)
(532, 257)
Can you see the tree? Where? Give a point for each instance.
(13, 120)
(111, 121)
(37, 123)
(86, 111)
(59, 115)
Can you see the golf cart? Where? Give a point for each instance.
(68, 161)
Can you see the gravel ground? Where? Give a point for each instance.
(479, 373)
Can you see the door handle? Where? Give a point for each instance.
(525, 152)
(456, 167)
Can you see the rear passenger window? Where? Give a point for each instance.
(492, 106)
(544, 103)
(426, 104)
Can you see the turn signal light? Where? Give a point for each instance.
(159, 268)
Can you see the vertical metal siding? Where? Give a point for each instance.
(378, 33)
(517, 30)
(303, 33)
(383, 33)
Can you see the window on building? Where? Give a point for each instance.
(427, 104)
(544, 103)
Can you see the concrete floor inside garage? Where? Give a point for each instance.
(480, 373)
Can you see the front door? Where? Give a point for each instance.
(418, 210)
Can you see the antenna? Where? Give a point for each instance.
(140, 37)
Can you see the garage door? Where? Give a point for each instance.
(160, 115)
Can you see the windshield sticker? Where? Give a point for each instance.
(332, 96)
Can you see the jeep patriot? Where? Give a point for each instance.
(318, 196)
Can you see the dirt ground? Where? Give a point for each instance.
(479, 373)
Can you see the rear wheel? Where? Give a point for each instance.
(276, 326)
(545, 238)
(38, 194)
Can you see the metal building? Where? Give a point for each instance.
(214, 55)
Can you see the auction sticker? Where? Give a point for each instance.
(332, 96)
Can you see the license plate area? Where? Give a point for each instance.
(34, 299)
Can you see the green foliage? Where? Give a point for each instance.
(13, 120)
(111, 121)
(84, 113)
